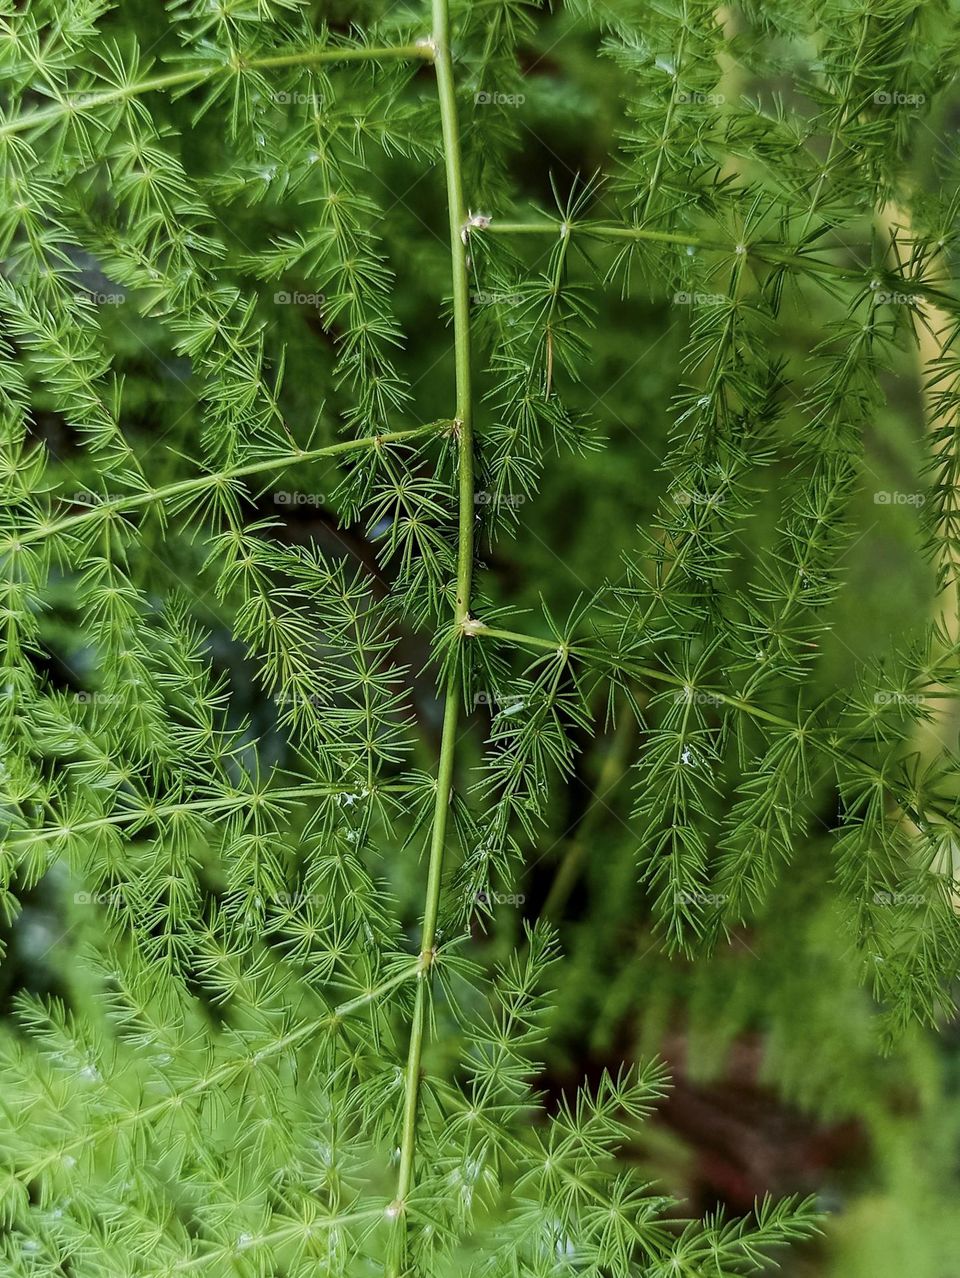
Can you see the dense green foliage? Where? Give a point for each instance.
(434, 444)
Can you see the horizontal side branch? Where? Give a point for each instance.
(650, 673)
(20, 839)
(796, 260)
(80, 101)
(186, 487)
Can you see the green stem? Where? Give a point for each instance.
(514, 636)
(21, 839)
(80, 101)
(641, 672)
(549, 227)
(841, 120)
(371, 996)
(174, 1101)
(459, 233)
(762, 252)
(291, 1235)
(654, 182)
(737, 703)
(184, 487)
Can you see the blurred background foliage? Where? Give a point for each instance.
(780, 1083)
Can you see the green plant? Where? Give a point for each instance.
(284, 1048)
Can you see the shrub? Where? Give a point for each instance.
(260, 420)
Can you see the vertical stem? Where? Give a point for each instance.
(654, 183)
(837, 129)
(459, 234)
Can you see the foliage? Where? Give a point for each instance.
(278, 779)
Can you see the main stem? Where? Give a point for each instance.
(459, 234)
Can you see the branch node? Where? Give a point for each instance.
(474, 222)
